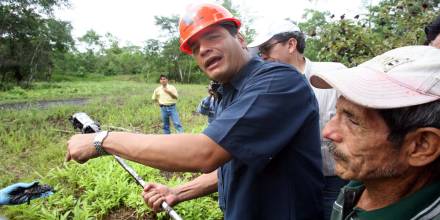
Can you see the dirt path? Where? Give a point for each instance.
(43, 104)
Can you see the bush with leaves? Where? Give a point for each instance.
(29, 37)
(388, 25)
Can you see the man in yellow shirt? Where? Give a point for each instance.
(166, 96)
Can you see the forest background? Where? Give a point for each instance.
(36, 46)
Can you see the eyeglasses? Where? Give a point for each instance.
(265, 48)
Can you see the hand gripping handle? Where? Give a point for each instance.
(142, 183)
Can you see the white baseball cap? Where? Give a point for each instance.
(401, 77)
(265, 34)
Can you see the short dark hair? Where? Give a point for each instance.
(401, 121)
(432, 30)
(163, 76)
(299, 37)
(230, 27)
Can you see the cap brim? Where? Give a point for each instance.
(369, 88)
(259, 40)
(274, 28)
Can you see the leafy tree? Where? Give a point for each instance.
(93, 41)
(90, 59)
(313, 26)
(29, 39)
(173, 62)
(388, 25)
(151, 51)
(104, 55)
(246, 21)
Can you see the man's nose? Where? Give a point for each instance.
(204, 49)
(331, 131)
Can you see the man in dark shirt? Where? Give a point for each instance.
(261, 152)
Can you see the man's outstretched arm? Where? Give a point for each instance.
(176, 152)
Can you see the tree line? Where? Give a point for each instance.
(34, 45)
(351, 41)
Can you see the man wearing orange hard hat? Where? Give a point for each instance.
(262, 150)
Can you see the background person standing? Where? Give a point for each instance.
(166, 96)
(208, 105)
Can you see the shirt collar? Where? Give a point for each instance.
(405, 208)
(238, 79)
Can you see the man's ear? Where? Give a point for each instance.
(292, 45)
(241, 39)
(423, 146)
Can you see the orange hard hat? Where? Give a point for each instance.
(198, 17)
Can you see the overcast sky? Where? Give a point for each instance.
(133, 20)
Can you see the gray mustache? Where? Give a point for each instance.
(336, 153)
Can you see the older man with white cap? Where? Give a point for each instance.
(283, 41)
(386, 135)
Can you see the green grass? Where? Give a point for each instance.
(65, 90)
(33, 143)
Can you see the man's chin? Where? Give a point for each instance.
(343, 173)
(215, 75)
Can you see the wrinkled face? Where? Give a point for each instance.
(163, 81)
(436, 42)
(360, 146)
(219, 54)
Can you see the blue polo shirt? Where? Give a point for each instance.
(268, 121)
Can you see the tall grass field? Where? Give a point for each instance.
(33, 144)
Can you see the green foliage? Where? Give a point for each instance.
(33, 147)
(63, 90)
(171, 60)
(92, 40)
(35, 46)
(388, 25)
(247, 32)
(103, 55)
(29, 35)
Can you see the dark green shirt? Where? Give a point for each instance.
(423, 204)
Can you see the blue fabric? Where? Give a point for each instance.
(207, 107)
(332, 187)
(168, 112)
(6, 194)
(268, 121)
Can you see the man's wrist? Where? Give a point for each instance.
(98, 140)
(177, 194)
